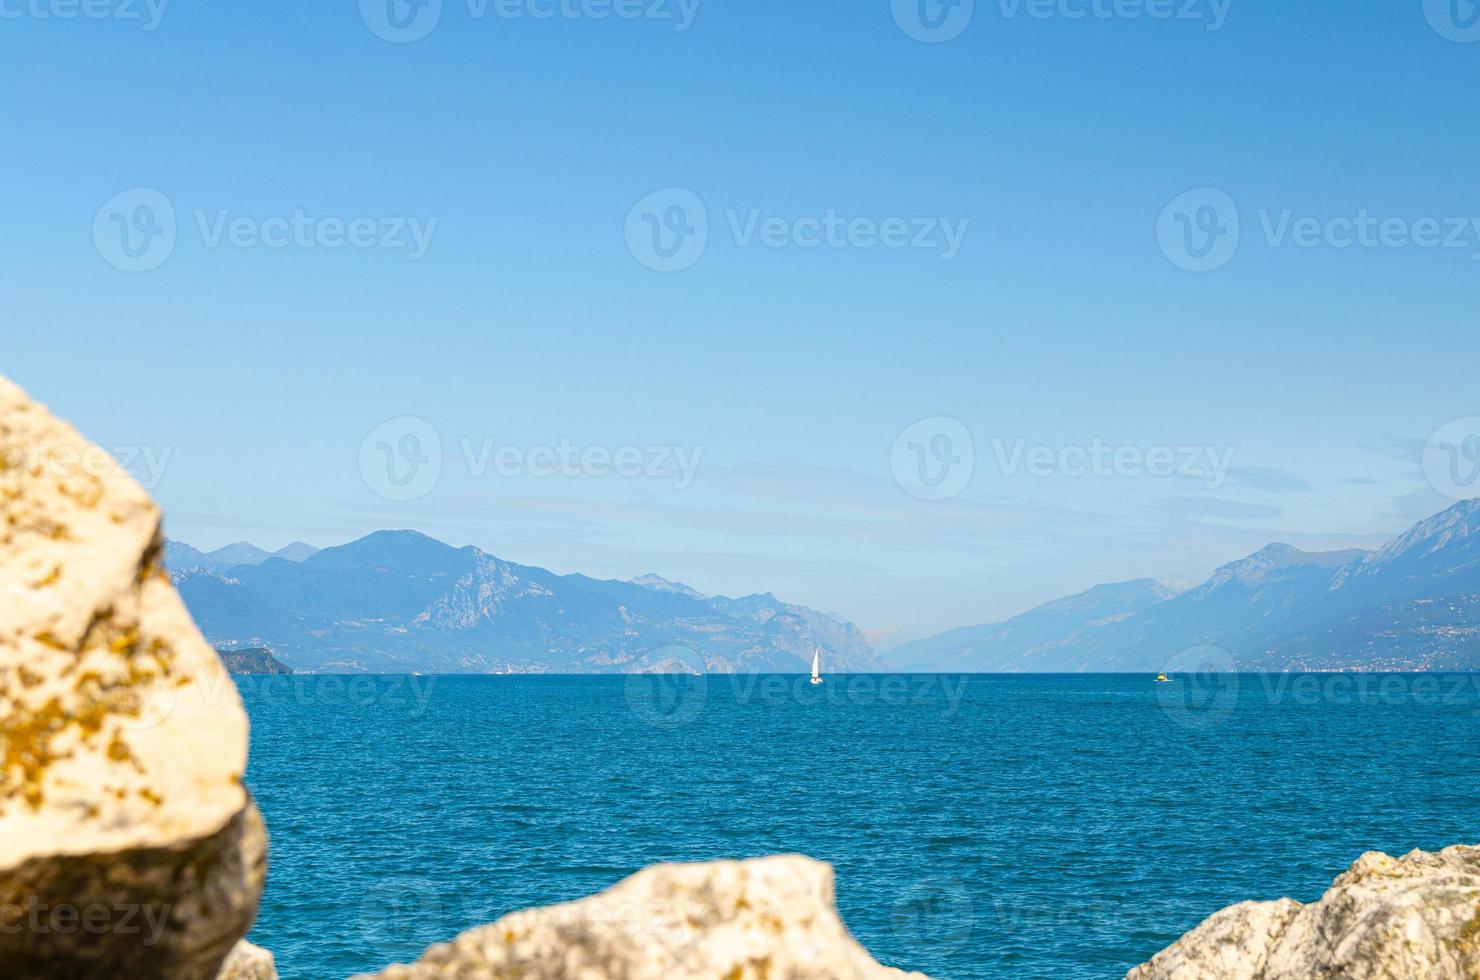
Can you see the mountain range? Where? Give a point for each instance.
(182, 556)
(1412, 605)
(399, 601)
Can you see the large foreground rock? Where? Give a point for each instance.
(772, 918)
(1410, 918)
(128, 845)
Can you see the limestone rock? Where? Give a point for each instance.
(1410, 918)
(770, 918)
(128, 844)
(248, 962)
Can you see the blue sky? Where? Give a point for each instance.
(252, 362)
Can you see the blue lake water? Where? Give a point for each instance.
(1046, 826)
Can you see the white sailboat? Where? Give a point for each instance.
(816, 665)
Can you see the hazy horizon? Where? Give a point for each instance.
(882, 646)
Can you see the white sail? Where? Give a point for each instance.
(816, 663)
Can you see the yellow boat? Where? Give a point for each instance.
(1162, 679)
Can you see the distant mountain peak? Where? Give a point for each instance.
(297, 551)
(399, 534)
(181, 557)
(407, 549)
(1136, 586)
(1458, 521)
(240, 553)
(1453, 531)
(1278, 557)
(660, 584)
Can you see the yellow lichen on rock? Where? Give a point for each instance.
(122, 739)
